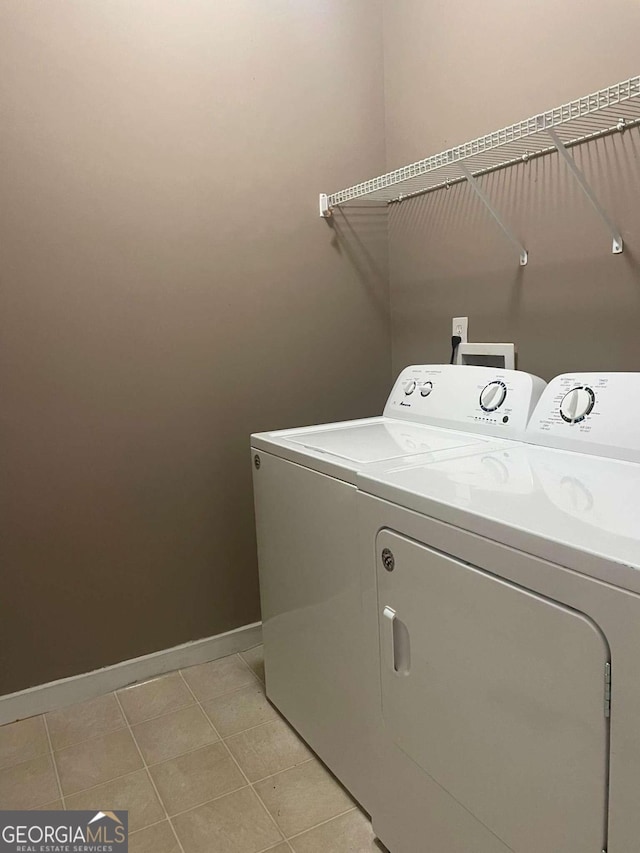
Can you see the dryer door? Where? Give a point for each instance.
(498, 694)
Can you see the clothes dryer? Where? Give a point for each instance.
(508, 630)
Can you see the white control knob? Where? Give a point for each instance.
(493, 396)
(576, 404)
(409, 387)
(426, 388)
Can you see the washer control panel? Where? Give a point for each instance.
(589, 413)
(487, 400)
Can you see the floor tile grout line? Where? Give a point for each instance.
(53, 761)
(46, 751)
(275, 846)
(238, 655)
(244, 775)
(26, 760)
(155, 716)
(266, 723)
(142, 828)
(87, 739)
(149, 776)
(210, 800)
(153, 764)
(323, 822)
(284, 770)
(255, 682)
(107, 782)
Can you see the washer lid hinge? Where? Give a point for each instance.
(607, 694)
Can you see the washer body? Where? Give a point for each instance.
(316, 595)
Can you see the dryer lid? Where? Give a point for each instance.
(569, 508)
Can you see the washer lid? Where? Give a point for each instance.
(344, 448)
(386, 440)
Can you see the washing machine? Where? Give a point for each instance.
(320, 672)
(508, 634)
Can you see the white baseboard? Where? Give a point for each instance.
(88, 685)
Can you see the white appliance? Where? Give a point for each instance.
(320, 672)
(508, 618)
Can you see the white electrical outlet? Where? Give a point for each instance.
(460, 326)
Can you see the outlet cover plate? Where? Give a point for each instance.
(460, 326)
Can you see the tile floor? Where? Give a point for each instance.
(199, 757)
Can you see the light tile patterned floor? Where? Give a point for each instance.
(201, 760)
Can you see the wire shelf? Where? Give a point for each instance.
(611, 110)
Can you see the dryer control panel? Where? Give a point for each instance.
(590, 413)
(487, 400)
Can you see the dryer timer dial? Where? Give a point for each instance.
(577, 404)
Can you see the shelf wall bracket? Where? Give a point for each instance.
(618, 243)
(484, 198)
(325, 210)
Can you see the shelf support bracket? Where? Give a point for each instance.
(618, 243)
(484, 198)
(325, 210)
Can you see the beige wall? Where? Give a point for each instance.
(167, 288)
(454, 71)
